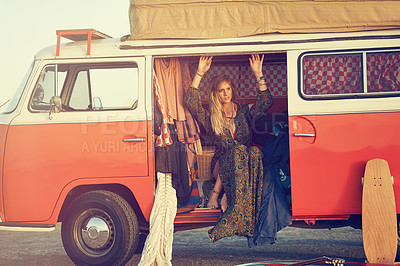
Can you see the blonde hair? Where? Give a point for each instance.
(217, 114)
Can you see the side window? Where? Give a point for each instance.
(332, 74)
(383, 72)
(46, 88)
(80, 97)
(358, 73)
(111, 87)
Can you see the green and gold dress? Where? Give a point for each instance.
(241, 169)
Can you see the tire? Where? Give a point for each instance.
(100, 229)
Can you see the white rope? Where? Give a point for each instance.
(158, 247)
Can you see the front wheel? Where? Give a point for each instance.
(100, 229)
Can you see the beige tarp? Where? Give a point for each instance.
(152, 19)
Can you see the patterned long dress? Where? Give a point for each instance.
(241, 169)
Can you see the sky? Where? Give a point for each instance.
(28, 26)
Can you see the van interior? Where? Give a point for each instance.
(266, 127)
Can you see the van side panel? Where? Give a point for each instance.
(326, 170)
(141, 187)
(42, 159)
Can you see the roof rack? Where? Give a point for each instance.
(80, 35)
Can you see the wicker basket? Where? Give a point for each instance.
(204, 163)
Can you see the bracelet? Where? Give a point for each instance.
(193, 88)
(262, 83)
(260, 78)
(197, 73)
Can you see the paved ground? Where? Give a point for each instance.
(194, 248)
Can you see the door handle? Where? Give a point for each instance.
(304, 135)
(134, 140)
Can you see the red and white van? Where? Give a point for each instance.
(89, 163)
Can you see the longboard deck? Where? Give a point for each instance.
(379, 221)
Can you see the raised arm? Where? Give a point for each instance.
(264, 98)
(204, 66)
(256, 64)
(192, 96)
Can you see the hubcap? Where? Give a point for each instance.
(96, 233)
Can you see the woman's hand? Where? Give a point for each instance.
(204, 64)
(256, 64)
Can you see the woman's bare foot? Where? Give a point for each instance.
(224, 203)
(213, 200)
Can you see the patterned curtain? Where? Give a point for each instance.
(383, 72)
(243, 79)
(332, 74)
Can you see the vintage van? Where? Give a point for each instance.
(77, 141)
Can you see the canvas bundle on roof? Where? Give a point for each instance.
(153, 19)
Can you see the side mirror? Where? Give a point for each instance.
(56, 106)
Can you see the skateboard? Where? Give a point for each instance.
(379, 221)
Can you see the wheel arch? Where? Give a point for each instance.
(119, 189)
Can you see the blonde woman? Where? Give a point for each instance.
(240, 171)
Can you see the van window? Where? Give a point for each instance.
(332, 74)
(349, 74)
(10, 105)
(46, 88)
(80, 98)
(108, 87)
(383, 72)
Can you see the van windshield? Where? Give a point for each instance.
(11, 104)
